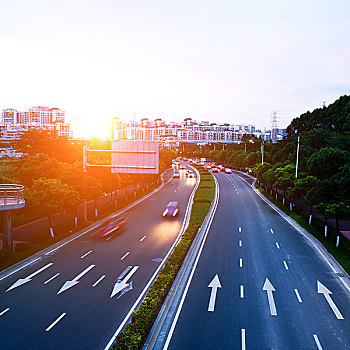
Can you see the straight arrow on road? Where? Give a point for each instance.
(214, 285)
(121, 284)
(321, 289)
(75, 280)
(28, 278)
(270, 289)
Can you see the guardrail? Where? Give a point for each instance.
(11, 194)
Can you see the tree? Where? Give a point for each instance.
(50, 196)
(327, 161)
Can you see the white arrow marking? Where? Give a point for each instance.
(321, 289)
(120, 285)
(269, 289)
(75, 280)
(28, 278)
(214, 285)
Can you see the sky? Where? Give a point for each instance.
(224, 61)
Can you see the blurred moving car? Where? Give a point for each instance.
(110, 227)
(215, 170)
(176, 175)
(172, 209)
(228, 171)
(182, 167)
(190, 173)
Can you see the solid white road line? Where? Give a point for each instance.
(83, 256)
(142, 238)
(277, 245)
(50, 279)
(240, 243)
(4, 311)
(55, 322)
(298, 295)
(99, 280)
(319, 347)
(243, 339)
(271, 230)
(124, 256)
(285, 265)
(241, 292)
(240, 262)
(239, 229)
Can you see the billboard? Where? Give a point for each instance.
(135, 157)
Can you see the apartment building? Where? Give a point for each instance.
(187, 131)
(44, 117)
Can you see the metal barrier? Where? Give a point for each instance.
(11, 196)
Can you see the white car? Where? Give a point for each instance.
(228, 171)
(176, 175)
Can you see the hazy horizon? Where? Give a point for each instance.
(218, 61)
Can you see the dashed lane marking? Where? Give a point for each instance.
(50, 279)
(277, 245)
(142, 238)
(298, 295)
(4, 311)
(55, 322)
(319, 347)
(124, 256)
(285, 265)
(241, 291)
(83, 256)
(99, 280)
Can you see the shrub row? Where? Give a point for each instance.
(135, 333)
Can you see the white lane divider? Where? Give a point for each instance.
(142, 238)
(277, 245)
(99, 280)
(28, 278)
(125, 255)
(319, 347)
(298, 295)
(240, 243)
(243, 339)
(240, 262)
(83, 256)
(50, 279)
(4, 311)
(271, 230)
(53, 324)
(239, 229)
(285, 265)
(241, 291)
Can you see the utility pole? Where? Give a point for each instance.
(297, 161)
(262, 152)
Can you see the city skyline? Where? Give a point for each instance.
(228, 62)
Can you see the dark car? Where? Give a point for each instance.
(111, 227)
(172, 209)
(190, 173)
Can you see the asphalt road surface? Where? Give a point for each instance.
(260, 284)
(75, 297)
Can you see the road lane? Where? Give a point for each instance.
(250, 313)
(85, 316)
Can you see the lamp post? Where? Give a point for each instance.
(297, 160)
(262, 152)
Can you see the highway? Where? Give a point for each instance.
(259, 284)
(76, 296)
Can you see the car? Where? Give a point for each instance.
(228, 171)
(110, 227)
(176, 175)
(190, 173)
(172, 209)
(215, 170)
(182, 167)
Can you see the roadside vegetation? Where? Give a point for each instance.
(54, 182)
(136, 332)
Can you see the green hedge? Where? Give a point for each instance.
(135, 333)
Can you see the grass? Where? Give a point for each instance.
(341, 254)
